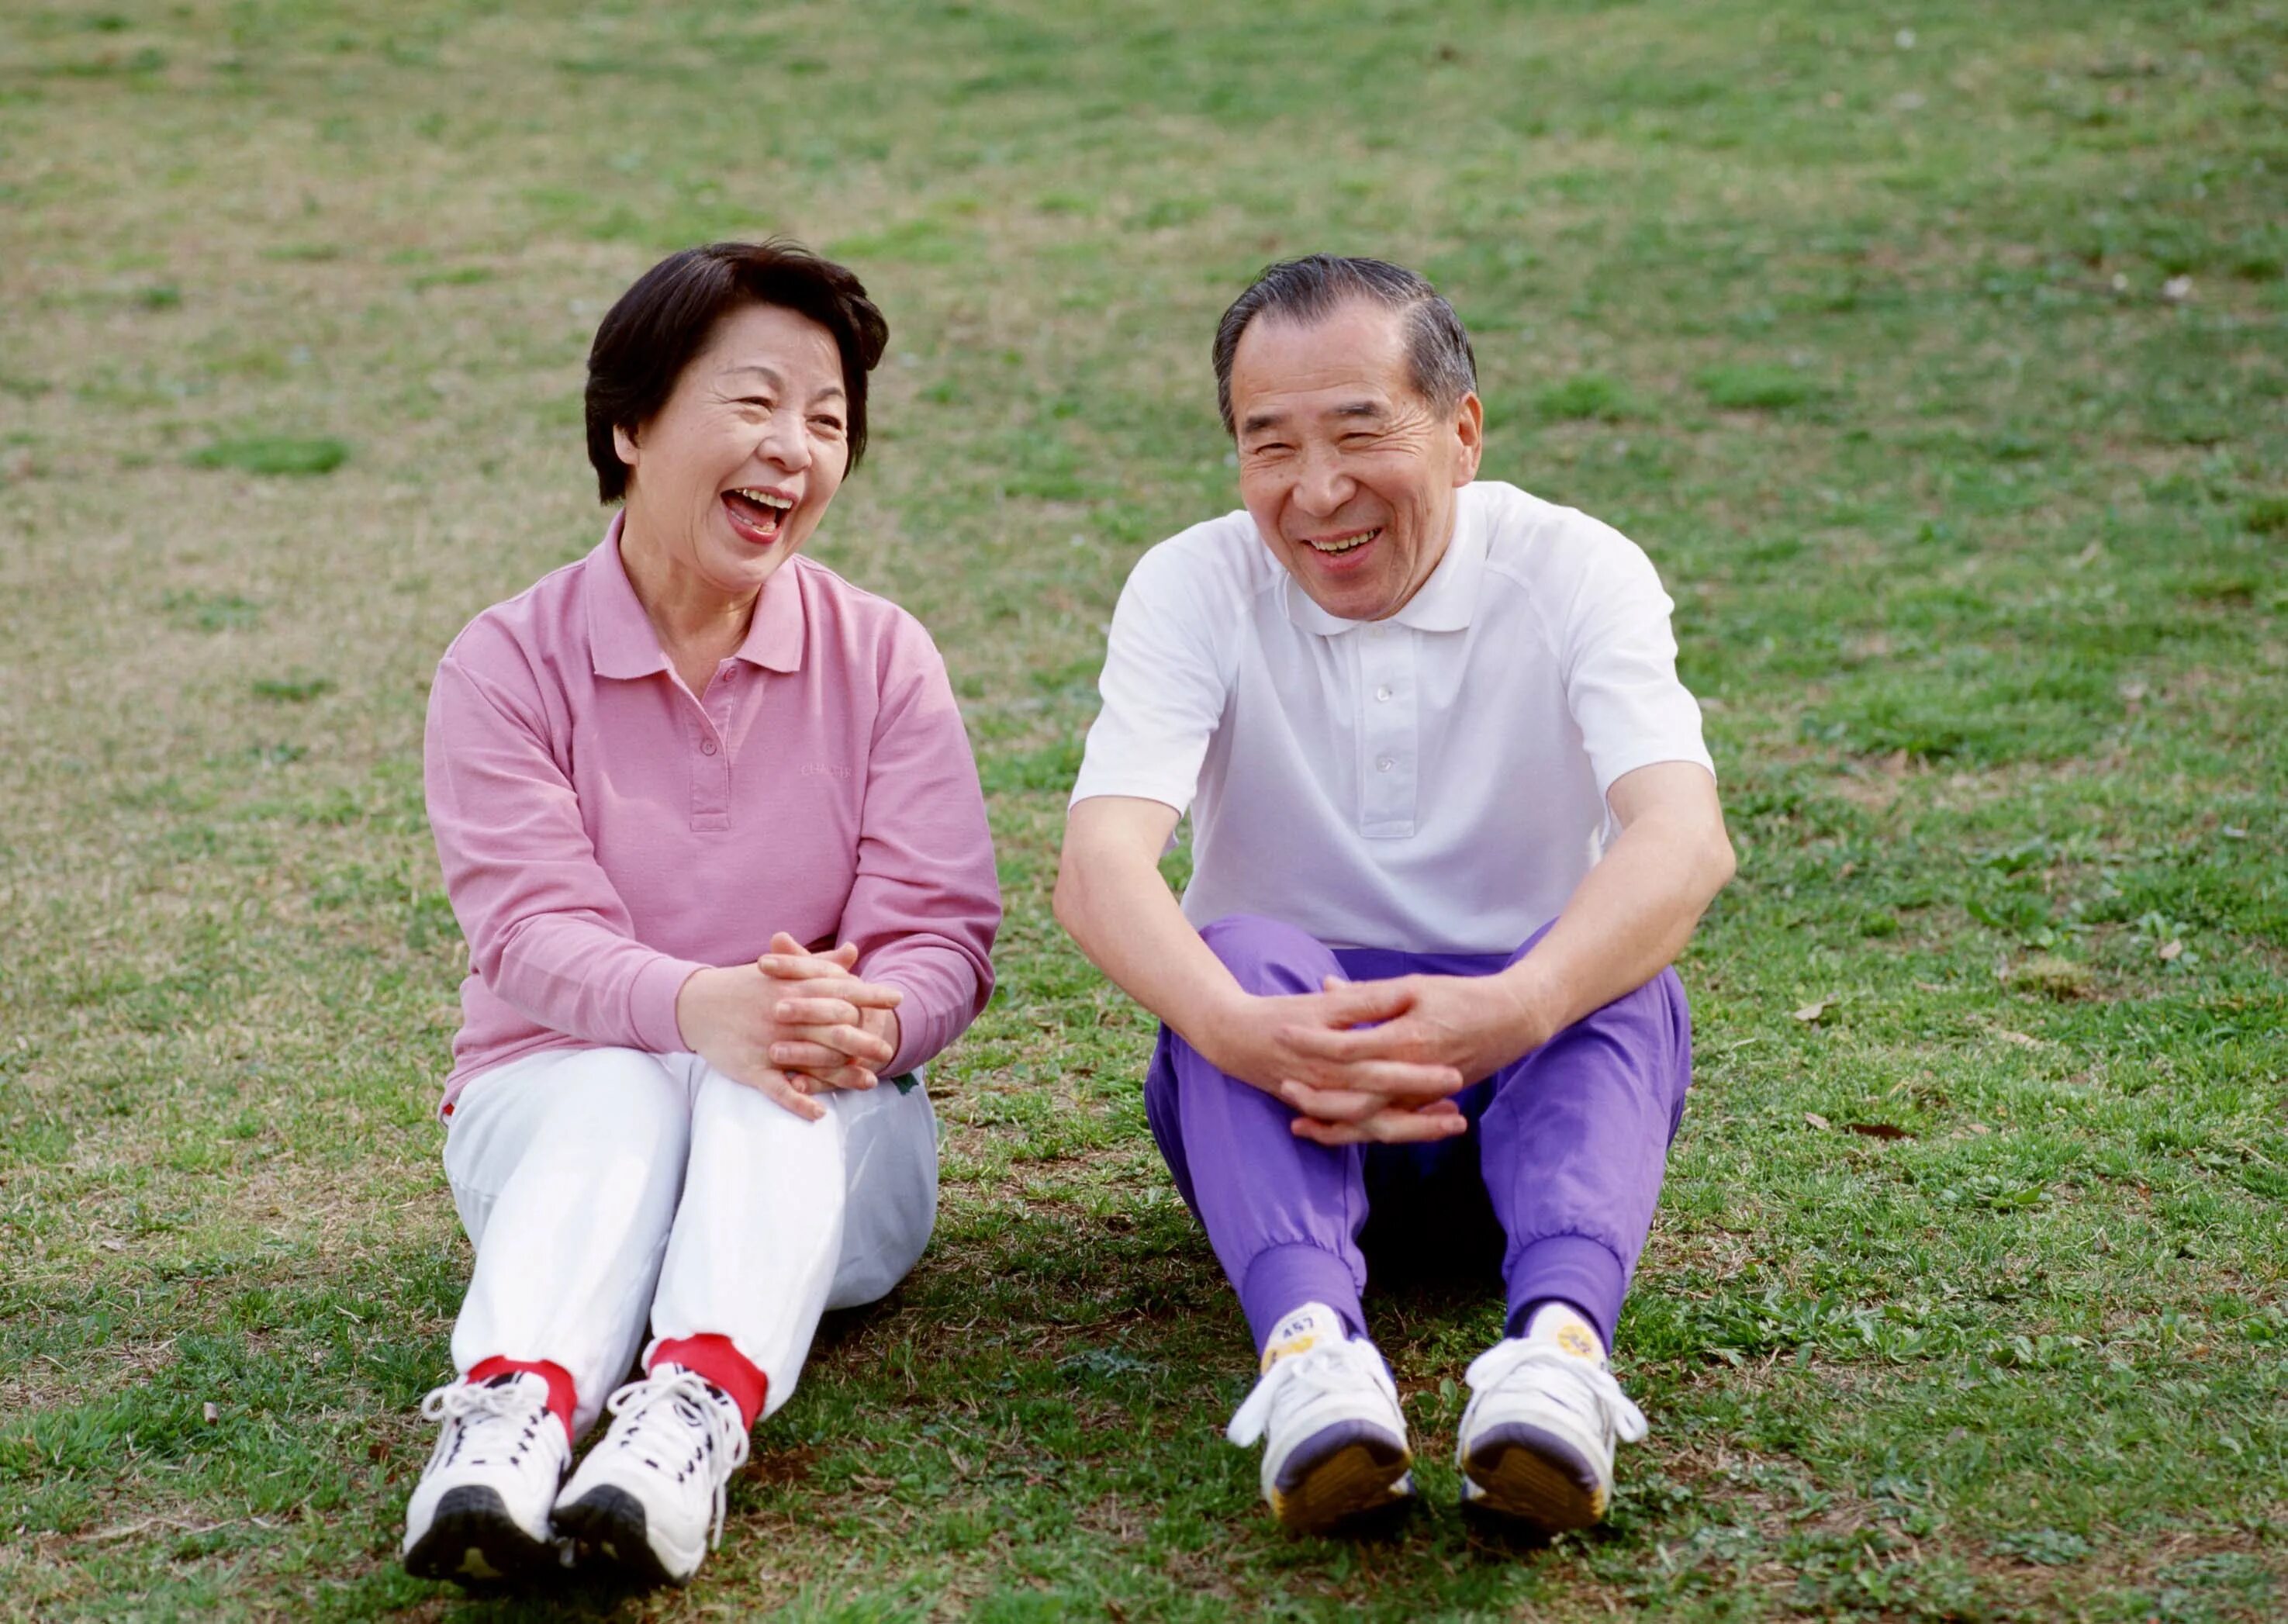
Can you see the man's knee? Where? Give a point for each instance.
(1268, 955)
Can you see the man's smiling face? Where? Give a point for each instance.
(1348, 472)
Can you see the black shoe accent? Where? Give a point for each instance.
(474, 1542)
(607, 1524)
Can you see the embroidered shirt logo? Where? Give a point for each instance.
(823, 769)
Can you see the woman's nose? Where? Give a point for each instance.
(784, 441)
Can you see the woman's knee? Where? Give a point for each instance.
(1269, 955)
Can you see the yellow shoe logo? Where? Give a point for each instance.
(1302, 1342)
(1578, 1343)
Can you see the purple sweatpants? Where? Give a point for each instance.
(1557, 1178)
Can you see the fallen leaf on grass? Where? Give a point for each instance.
(2171, 951)
(1878, 1130)
(1817, 1121)
(1811, 1012)
(208, 1413)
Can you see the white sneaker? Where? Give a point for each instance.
(480, 1513)
(1336, 1442)
(649, 1496)
(1536, 1441)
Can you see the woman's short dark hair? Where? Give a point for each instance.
(1438, 352)
(648, 337)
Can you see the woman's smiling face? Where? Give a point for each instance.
(733, 474)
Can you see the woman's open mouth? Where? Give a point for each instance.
(757, 515)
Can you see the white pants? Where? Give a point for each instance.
(604, 1188)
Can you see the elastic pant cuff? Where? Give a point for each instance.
(1281, 1279)
(1568, 1268)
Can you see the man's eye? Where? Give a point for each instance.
(755, 400)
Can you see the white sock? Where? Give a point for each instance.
(1563, 1324)
(1301, 1329)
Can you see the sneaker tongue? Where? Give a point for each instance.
(1311, 1325)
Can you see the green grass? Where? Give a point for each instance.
(1866, 323)
(273, 454)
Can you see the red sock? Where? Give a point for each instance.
(714, 1357)
(560, 1397)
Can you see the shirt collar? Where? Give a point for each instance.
(621, 643)
(1445, 601)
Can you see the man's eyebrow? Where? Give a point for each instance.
(1255, 422)
(1357, 408)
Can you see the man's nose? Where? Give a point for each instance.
(1324, 486)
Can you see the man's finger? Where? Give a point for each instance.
(1410, 1081)
(1349, 1002)
(1392, 1040)
(1332, 1105)
(1384, 1128)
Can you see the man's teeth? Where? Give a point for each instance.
(765, 499)
(1346, 543)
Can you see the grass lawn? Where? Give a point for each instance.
(1935, 352)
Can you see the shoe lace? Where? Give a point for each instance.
(479, 1414)
(1507, 1360)
(1325, 1368)
(663, 1412)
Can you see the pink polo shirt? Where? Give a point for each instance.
(605, 834)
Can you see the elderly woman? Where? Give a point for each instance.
(710, 821)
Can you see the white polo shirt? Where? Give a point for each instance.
(1433, 782)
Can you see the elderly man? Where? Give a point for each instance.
(1452, 819)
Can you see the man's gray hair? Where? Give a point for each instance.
(1310, 288)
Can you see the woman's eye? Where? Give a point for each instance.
(828, 425)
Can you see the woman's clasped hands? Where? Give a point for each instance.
(793, 1023)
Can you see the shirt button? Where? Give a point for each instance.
(1385, 764)
(1383, 692)
(707, 747)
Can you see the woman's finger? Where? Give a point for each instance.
(806, 1057)
(814, 1009)
(776, 1086)
(854, 1043)
(832, 981)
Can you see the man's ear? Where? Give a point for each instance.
(624, 443)
(1470, 430)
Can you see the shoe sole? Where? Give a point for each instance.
(472, 1541)
(1351, 1483)
(608, 1525)
(1535, 1477)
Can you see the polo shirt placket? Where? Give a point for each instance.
(1390, 737)
(711, 754)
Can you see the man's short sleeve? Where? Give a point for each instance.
(1166, 677)
(1620, 664)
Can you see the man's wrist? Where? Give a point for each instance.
(1528, 1002)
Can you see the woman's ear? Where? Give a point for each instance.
(625, 443)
